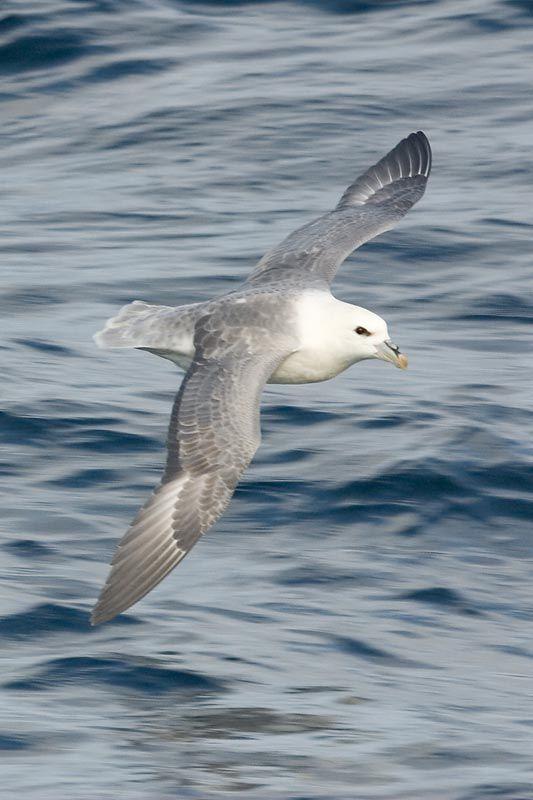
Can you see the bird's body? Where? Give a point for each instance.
(309, 316)
(282, 326)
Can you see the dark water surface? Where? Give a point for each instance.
(359, 625)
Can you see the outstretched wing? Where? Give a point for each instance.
(213, 435)
(374, 203)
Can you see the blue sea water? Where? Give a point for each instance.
(359, 625)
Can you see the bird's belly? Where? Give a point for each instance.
(308, 366)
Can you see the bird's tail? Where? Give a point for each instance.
(141, 325)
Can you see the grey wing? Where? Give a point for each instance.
(374, 203)
(213, 435)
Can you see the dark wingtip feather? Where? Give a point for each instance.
(411, 158)
(423, 141)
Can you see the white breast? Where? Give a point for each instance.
(322, 352)
(307, 367)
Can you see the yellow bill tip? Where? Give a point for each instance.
(403, 361)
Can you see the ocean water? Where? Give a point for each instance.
(359, 624)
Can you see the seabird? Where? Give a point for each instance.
(282, 325)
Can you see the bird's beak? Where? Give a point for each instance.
(388, 351)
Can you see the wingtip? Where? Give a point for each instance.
(104, 610)
(410, 158)
(417, 141)
(100, 614)
(423, 140)
(420, 135)
(95, 619)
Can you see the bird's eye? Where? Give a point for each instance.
(362, 331)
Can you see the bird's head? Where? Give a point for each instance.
(369, 338)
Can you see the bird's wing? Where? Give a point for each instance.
(374, 203)
(213, 435)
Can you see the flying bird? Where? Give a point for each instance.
(282, 325)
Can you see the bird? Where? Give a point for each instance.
(282, 325)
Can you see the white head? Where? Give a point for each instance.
(332, 336)
(365, 335)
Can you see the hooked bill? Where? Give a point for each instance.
(403, 361)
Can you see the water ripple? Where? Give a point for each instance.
(110, 672)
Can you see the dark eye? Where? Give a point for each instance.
(362, 331)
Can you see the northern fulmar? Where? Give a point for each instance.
(282, 325)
